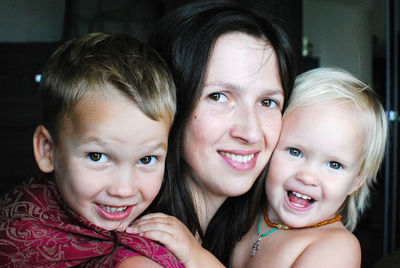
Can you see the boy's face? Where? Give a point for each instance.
(109, 163)
(316, 164)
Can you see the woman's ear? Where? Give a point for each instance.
(43, 149)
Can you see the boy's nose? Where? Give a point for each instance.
(123, 185)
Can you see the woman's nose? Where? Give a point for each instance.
(246, 126)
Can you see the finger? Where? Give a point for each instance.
(163, 220)
(137, 226)
(159, 235)
(153, 226)
(154, 215)
(180, 244)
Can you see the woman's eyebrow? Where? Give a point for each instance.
(270, 91)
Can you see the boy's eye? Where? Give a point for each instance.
(218, 97)
(97, 157)
(148, 160)
(295, 152)
(335, 165)
(268, 103)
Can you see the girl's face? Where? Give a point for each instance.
(236, 123)
(316, 164)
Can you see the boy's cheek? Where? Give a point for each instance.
(151, 186)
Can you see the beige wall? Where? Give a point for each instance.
(341, 34)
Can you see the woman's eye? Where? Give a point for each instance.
(295, 152)
(147, 160)
(218, 97)
(335, 165)
(97, 157)
(268, 103)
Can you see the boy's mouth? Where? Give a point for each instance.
(110, 209)
(299, 200)
(114, 213)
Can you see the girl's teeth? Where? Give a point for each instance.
(238, 158)
(301, 196)
(113, 209)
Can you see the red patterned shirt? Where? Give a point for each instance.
(38, 229)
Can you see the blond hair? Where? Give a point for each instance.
(80, 66)
(335, 85)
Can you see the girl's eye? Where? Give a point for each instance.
(218, 97)
(97, 157)
(335, 165)
(148, 160)
(295, 152)
(268, 103)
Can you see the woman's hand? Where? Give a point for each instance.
(176, 237)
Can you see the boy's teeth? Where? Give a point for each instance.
(238, 158)
(301, 195)
(113, 209)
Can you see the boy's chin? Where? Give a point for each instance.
(117, 227)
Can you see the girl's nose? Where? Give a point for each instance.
(307, 176)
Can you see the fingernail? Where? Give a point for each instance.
(130, 230)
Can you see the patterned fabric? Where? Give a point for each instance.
(37, 229)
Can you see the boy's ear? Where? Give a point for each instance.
(43, 149)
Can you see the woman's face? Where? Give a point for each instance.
(236, 123)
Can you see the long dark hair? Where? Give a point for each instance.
(185, 38)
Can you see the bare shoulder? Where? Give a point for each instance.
(334, 247)
(138, 261)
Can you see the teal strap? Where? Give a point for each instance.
(258, 228)
(256, 245)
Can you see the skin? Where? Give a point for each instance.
(320, 148)
(236, 123)
(228, 140)
(321, 153)
(107, 168)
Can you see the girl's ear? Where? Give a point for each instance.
(43, 149)
(357, 182)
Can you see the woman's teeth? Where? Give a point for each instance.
(113, 209)
(238, 158)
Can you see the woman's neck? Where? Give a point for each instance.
(206, 204)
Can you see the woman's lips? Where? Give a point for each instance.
(239, 161)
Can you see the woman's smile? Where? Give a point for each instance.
(240, 162)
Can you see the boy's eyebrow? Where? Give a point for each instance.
(162, 145)
(149, 146)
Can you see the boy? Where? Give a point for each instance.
(108, 103)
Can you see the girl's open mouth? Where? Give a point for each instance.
(299, 200)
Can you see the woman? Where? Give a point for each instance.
(233, 70)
